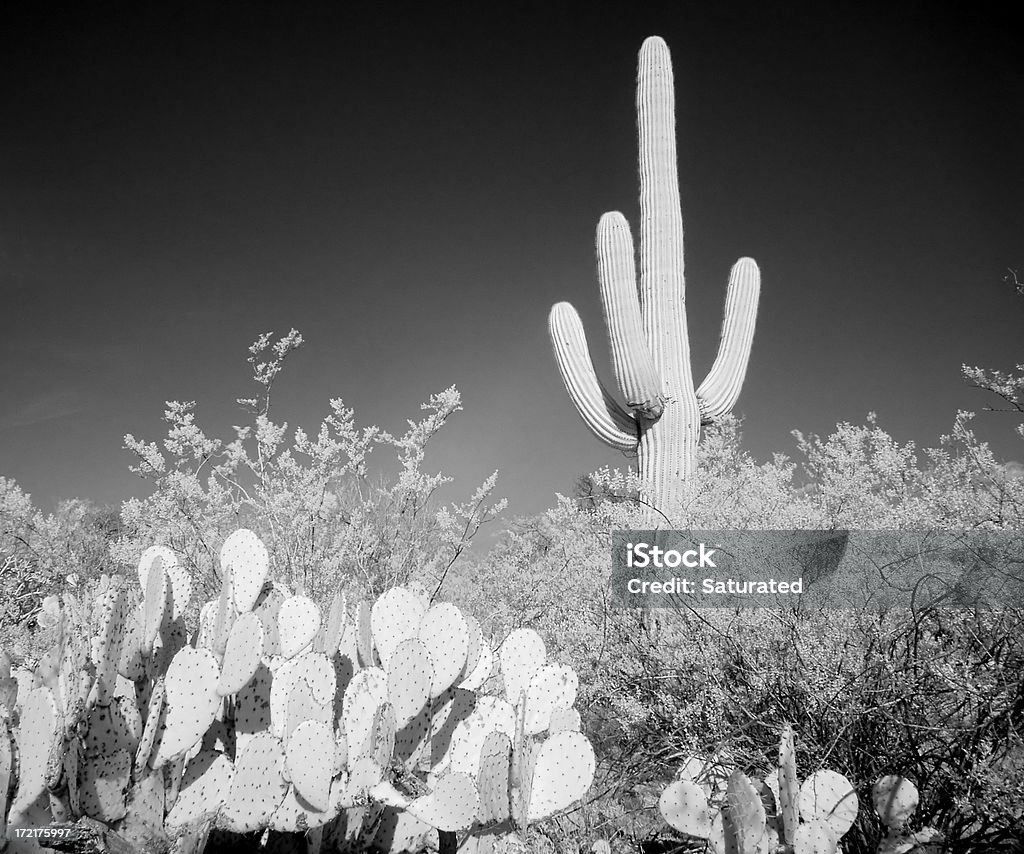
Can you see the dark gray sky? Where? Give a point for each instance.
(414, 192)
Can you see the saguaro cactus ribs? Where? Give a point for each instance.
(647, 327)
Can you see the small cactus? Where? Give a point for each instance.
(895, 799)
(826, 803)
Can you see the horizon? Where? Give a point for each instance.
(414, 195)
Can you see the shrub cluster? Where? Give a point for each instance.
(934, 696)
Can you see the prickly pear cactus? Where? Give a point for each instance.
(363, 729)
(807, 819)
(895, 800)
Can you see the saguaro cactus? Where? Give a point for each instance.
(647, 327)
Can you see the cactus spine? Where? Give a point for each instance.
(647, 328)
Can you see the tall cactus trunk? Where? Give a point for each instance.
(668, 447)
(667, 452)
(647, 325)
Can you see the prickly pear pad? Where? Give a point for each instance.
(788, 785)
(364, 635)
(172, 637)
(340, 753)
(332, 630)
(48, 671)
(412, 742)
(364, 774)
(192, 701)
(146, 808)
(27, 681)
(400, 831)
(207, 624)
(444, 632)
(467, 743)
(257, 787)
(284, 679)
(814, 837)
(245, 557)
(131, 664)
(104, 785)
(493, 778)
(225, 613)
(166, 557)
(475, 636)
(298, 621)
(242, 654)
(296, 815)
(205, 785)
(177, 577)
(409, 674)
(895, 798)
(39, 723)
(252, 707)
(110, 618)
(394, 617)
(562, 775)
(156, 604)
(268, 605)
(181, 588)
(746, 813)
(491, 714)
(522, 654)
(564, 720)
(302, 707)
(482, 670)
(319, 674)
(685, 808)
(309, 759)
(498, 713)
(364, 695)
(451, 806)
(829, 796)
(108, 731)
(381, 745)
(552, 685)
(6, 767)
(154, 713)
(448, 710)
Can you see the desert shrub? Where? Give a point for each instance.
(325, 519)
(934, 695)
(41, 554)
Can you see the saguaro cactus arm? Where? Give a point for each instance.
(639, 382)
(721, 387)
(607, 420)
